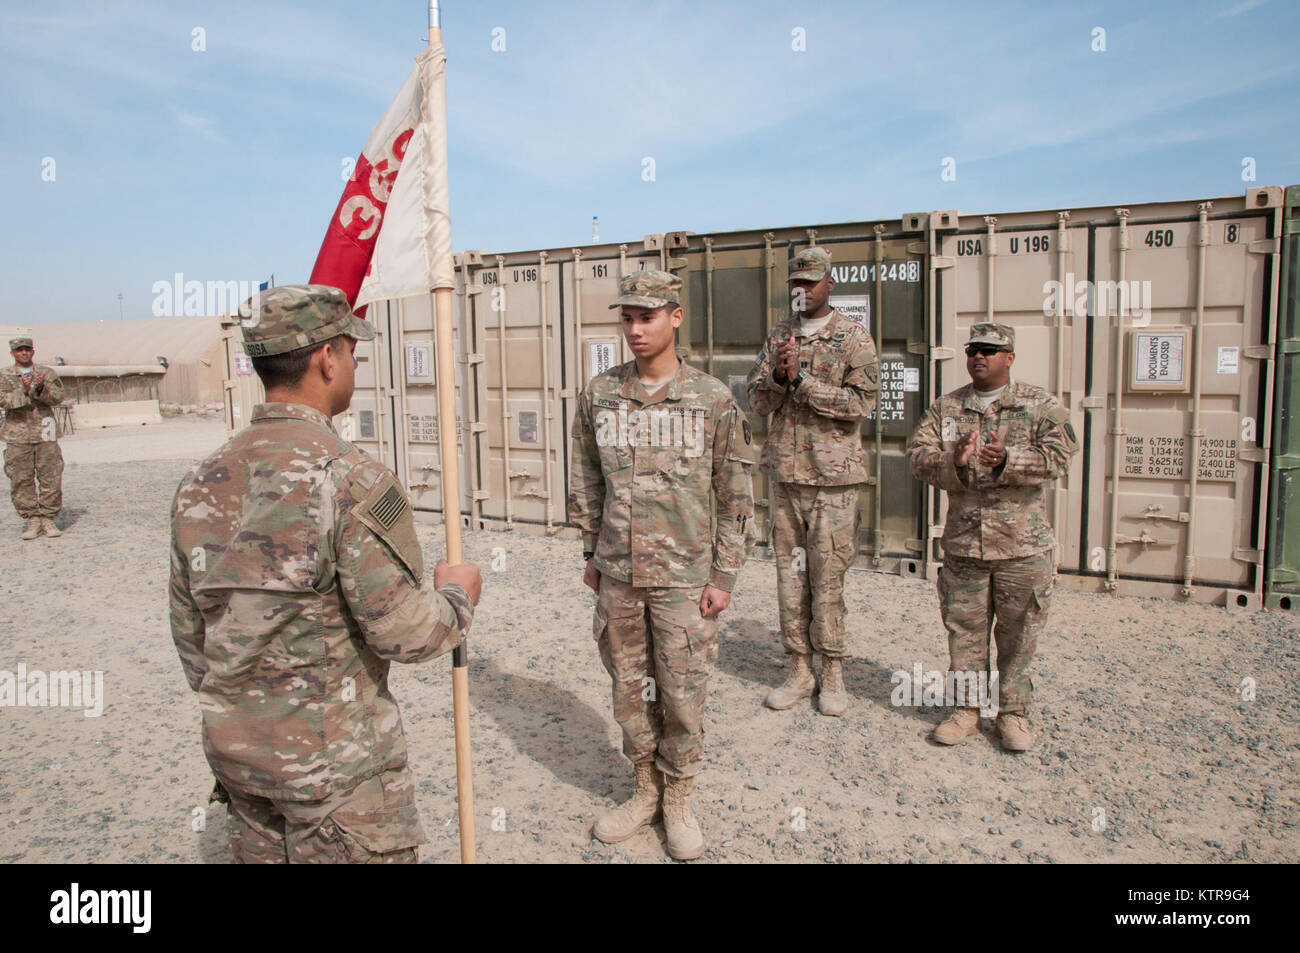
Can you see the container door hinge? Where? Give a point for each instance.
(1248, 555)
(915, 545)
(1265, 246)
(941, 261)
(1257, 352)
(917, 248)
(477, 427)
(936, 531)
(482, 495)
(942, 353)
(1284, 575)
(475, 289)
(473, 358)
(1286, 461)
(1253, 454)
(1093, 403)
(676, 264)
(1289, 345)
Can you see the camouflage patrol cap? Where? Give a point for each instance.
(1000, 334)
(811, 264)
(288, 317)
(16, 343)
(648, 289)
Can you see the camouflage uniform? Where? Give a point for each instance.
(33, 461)
(998, 542)
(644, 475)
(296, 579)
(814, 455)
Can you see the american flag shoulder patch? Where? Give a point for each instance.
(390, 506)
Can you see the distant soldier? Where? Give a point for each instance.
(655, 444)
(296, 578)
(818, 376)
(994, 445)
(33, 462)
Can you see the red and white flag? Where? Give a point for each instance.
(390, 236)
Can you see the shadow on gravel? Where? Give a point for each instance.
(750, 649)
(68, 517)
(550, 725)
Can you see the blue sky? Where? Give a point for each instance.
(225, 164)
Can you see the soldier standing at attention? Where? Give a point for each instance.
(655, 443)
(33, 462)
(818, 376)
(994, 445)
(296, 578)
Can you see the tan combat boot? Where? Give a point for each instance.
(1013, 726)
(959, 725)
(833, 699)
(799, 684)
(33, 528)
(640, 810)
(685, 839)
(47, 524)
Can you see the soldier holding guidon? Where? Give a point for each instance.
(296, 579)
(818, 376)
(995, 445)
(33, 462)
(656, 444)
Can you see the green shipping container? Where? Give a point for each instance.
(1282, 585)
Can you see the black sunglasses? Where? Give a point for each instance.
(986, 349)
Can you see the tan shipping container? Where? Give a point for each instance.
(1155, 325)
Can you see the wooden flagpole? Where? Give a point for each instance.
(447, 455)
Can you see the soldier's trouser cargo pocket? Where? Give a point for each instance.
(815, 538)
(1018, 593)
(374, 823)
(659, 652)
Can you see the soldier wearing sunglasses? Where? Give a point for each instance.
(995, 445)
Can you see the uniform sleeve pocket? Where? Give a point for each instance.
(378, 832)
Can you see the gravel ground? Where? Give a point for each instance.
(1147, 750)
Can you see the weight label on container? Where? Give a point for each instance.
(367, 424)
(601, 356)
(855, 307)
(421, 428)
(418, 365)
(1228, 360)
(243, 363)
(890, 405)
(912, 380)
(1165, 458)
(1159, 359)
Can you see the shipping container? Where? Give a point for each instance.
(1282, 588)
(1154, 324)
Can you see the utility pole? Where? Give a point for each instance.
(121, 315)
